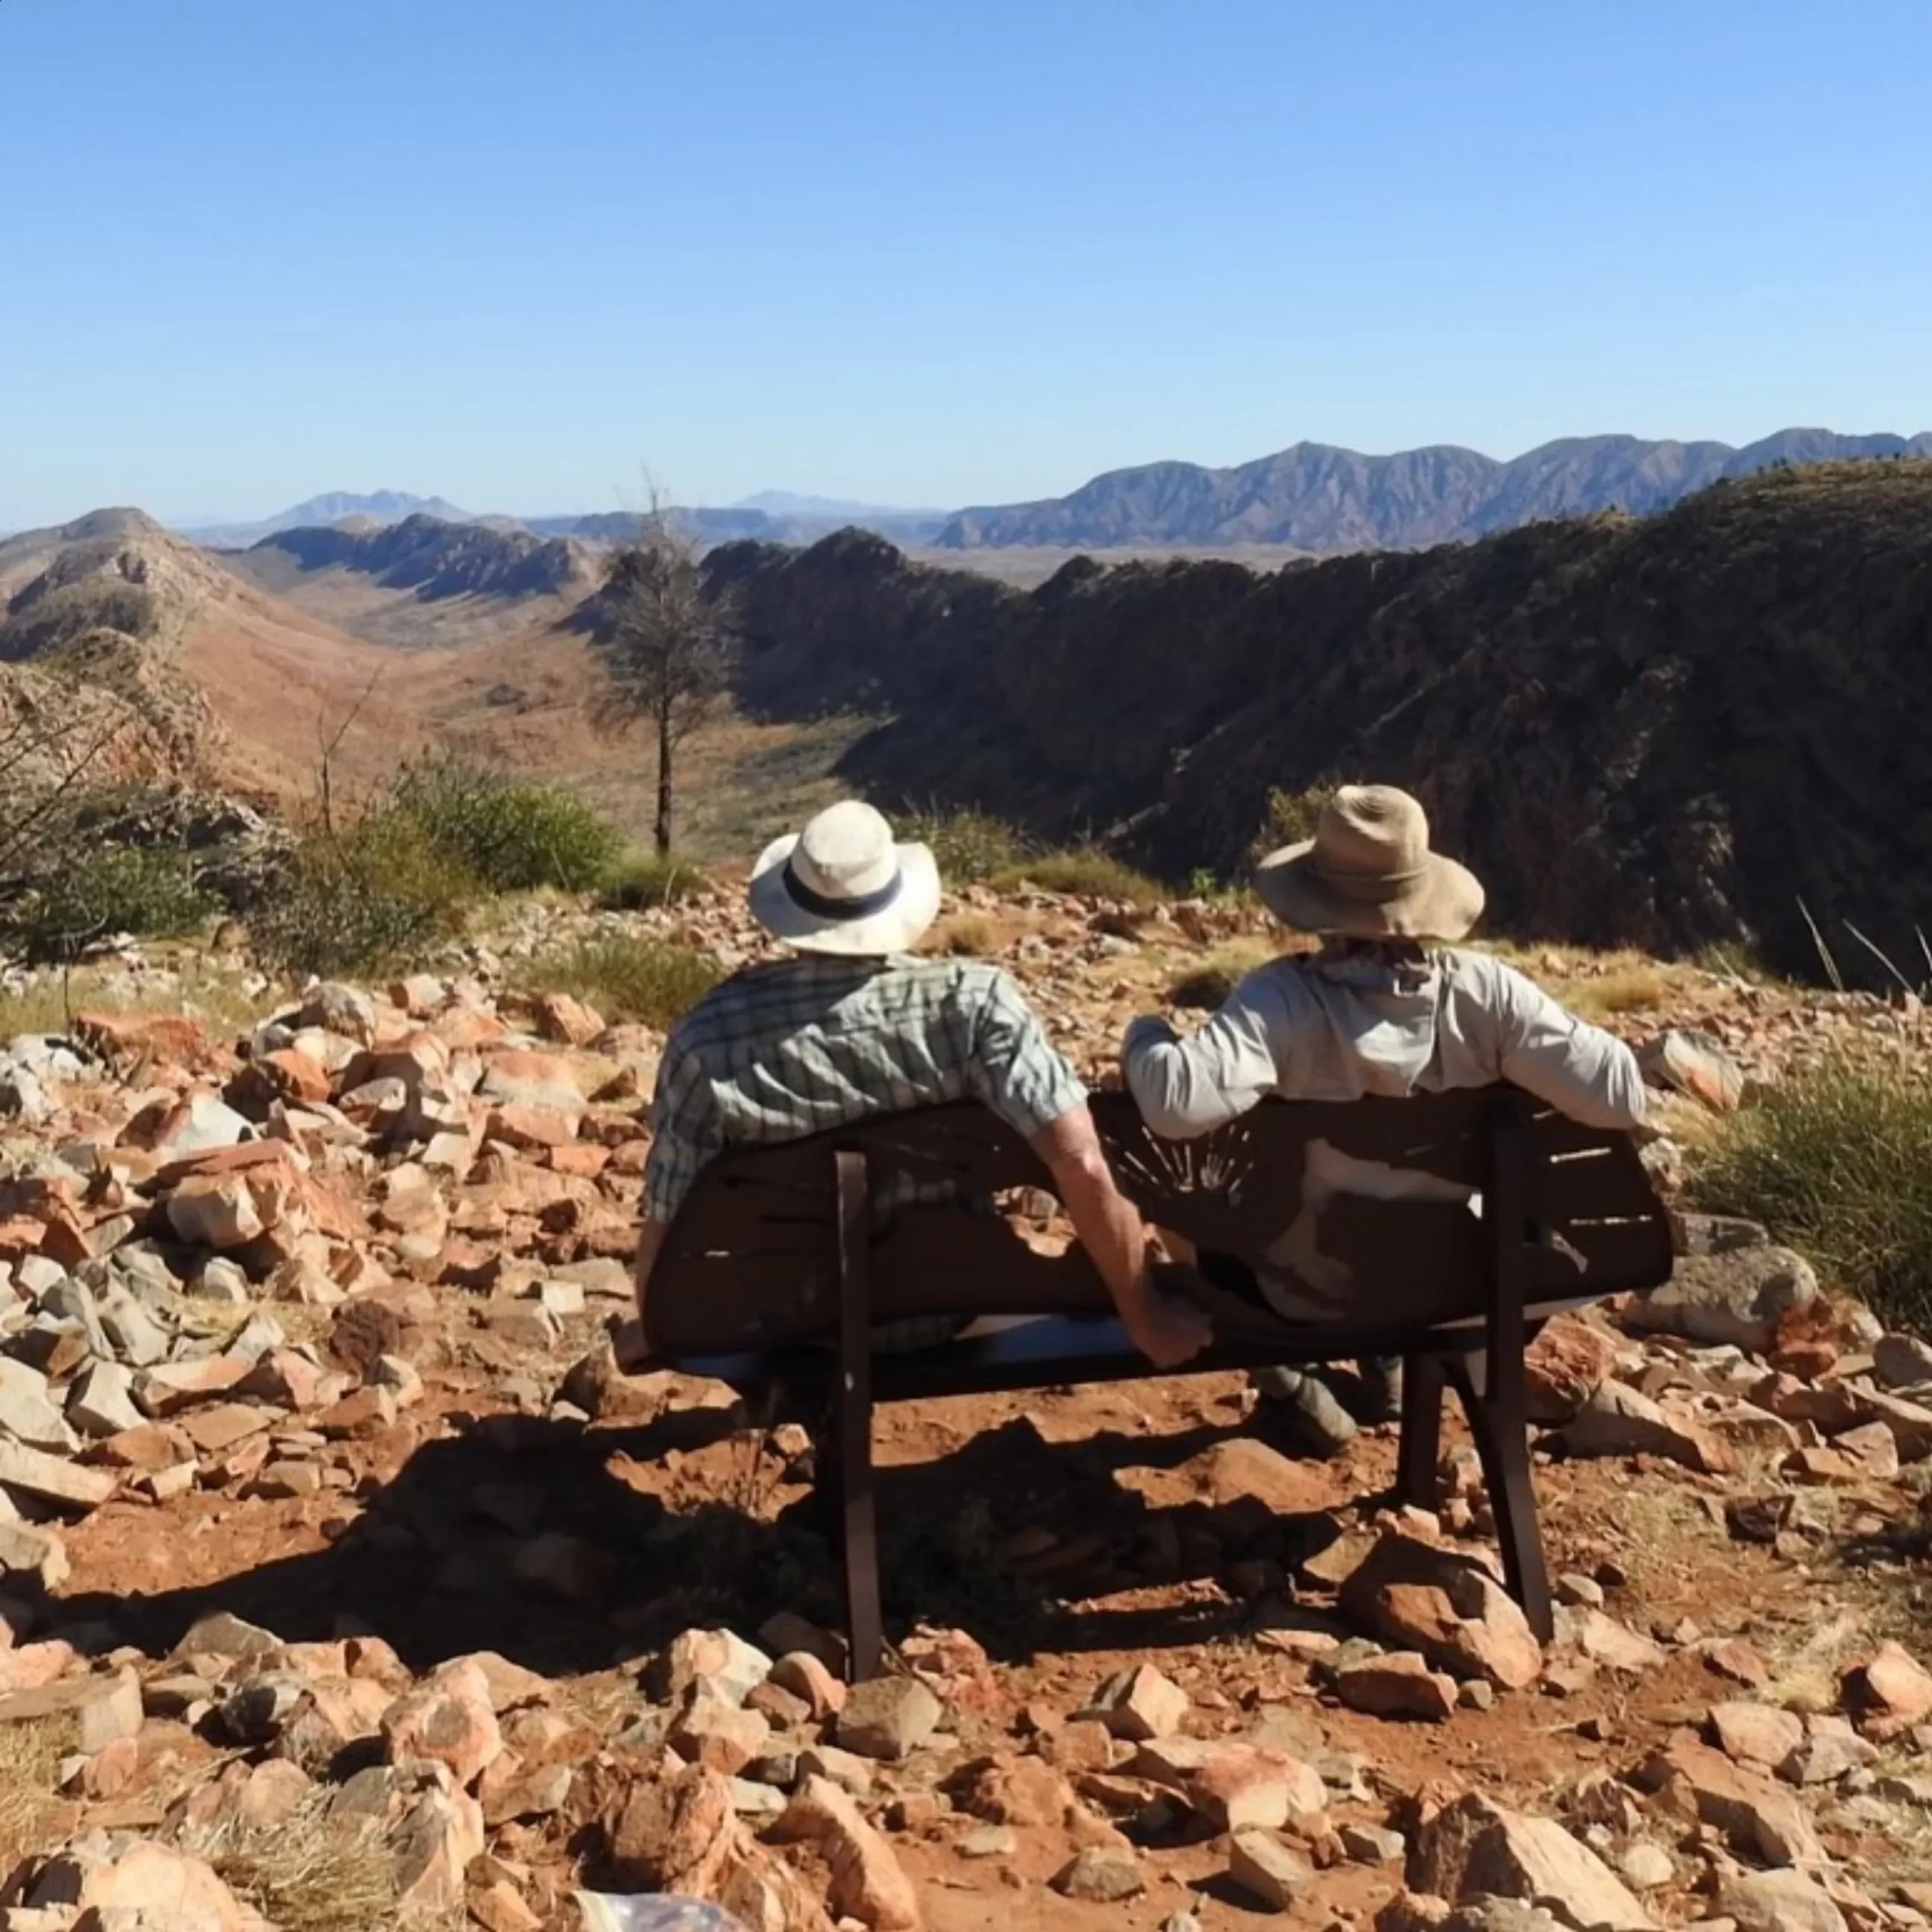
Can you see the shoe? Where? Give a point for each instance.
(1304, 1407)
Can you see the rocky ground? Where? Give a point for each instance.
(344, 1582)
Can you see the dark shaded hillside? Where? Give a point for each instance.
(1663, 733)
(1317, 498)
(430, 557)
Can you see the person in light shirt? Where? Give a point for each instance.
(1390, 1004)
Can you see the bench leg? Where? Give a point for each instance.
(858, 1520)
(1502, 1442)
(1421, 1448)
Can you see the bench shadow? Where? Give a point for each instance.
(523, 1536)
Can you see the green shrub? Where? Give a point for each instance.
(381, 894)
(97, 894)
(642, 880)
(1292, 817)
(507, 836)
(1092, 873)
(1837, 1163)
(626, 978)
(970, 847)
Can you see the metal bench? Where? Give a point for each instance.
(783, 1259)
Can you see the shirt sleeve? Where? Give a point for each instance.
(686, 1131)
(1579, 1070)
(1186, 1088)
(1013, 1068)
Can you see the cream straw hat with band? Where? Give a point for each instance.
(844, 885)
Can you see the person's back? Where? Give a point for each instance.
(1385, 1017)
(799, 1046)
(1389, 1006)
(854, 1026)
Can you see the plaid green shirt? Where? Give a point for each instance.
(782, 1050)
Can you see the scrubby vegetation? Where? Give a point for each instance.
(970, 847)
(626, 978)
(507, 837)
(1087, 871)
(100, 893)
(973, 848)
(1837, 1162)
(379, 893)
(388, 888)
(1291, 817)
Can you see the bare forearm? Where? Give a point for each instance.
(1110, 1229)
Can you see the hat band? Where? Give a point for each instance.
(1369, 888)
(821, 905)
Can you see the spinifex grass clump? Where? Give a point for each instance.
(624, 978)
(1837, 1162)
(644, 880)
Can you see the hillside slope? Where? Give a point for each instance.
(1319, 498)
(1664, 732)
(423, 581)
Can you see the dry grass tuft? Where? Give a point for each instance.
(625, 978)
(1206, 983)
(1837, 1162)
(31, 1807)
(1634, 989)
(1085, 872)
(199, 990)
(307, 1875)
(967, 936)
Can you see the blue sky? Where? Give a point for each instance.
(515, 253)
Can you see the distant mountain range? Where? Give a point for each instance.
(1311, 497)
(1319, 498)
(378, 506)
(789, 502)
(772, 516)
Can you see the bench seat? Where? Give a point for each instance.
(783, 1259)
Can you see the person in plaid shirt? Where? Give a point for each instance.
(853, 1026)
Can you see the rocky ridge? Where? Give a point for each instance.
(327, 1513)
(1664, 733)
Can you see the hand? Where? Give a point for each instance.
(1166, 1330)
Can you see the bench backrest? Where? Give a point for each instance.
(751, 1262)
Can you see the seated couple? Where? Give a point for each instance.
(853, 1026)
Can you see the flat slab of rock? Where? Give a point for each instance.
(1738, 1297)
(1619, 1420)
(868, 1883)
(1779, 1901)
(1761, 1819)
(1759, 1734)
(1476, 1847)
(888, 1717)
(1274, 1874)
(1140, 1704)
(54, 1479)
(1446, 1605)
(1101, 1875)
(1398, 1685)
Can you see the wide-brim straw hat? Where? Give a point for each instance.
(845, 886)
(1368, 873)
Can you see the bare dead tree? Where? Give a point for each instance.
(666, 642)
